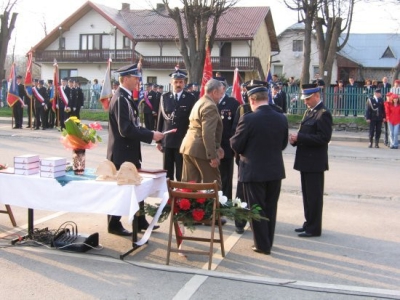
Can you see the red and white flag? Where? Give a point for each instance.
(236, 93)
(106, 90)
(53, 97)
(207, 71)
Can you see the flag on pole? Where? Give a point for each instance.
(28, 77)
(269, 80)
(54, 91)
(207, 71)
(13, 95)
(236, 92)
(106, 91)
(141, 88)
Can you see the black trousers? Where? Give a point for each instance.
(226, 170)
(18, 114)
(173, 162)
(240, 195)
(266, 195)
(114, 222)
(149, 121)
(375, 128)
(312, 186)
(30, 110)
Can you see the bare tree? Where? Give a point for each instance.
(192, 22)
(8, 20)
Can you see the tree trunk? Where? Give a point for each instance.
(5, 35)
(305, 72)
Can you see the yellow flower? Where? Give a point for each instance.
(85, 127)
(75, 119)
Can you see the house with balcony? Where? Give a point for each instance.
(83, 43)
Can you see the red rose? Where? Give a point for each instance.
(201, 200)
(198, 214)
(184, 204)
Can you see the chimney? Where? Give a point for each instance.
(126, 6)
(160, 6)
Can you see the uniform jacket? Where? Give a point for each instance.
(43, 92)
(152, 96)
(227, 108)
(173, 115)
(22, 94)
(375, 110)
(203, 137)
(124, 135)
(260, 138)
(312, 141)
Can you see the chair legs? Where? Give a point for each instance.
(10, 214)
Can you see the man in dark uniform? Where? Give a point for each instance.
(41, 102)
(196, 92)
(80, 98)
(375, 115)
(260, 138)
(175, 108)
(227, 108)
(72, 99)
(148, 110)
(62, 103)
(156, 104)
(311, 159)
(18, 107)
(125, 136)
(282, 95)
(244, 93)
(51, 112)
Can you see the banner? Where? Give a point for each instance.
(106, 91)
(207, 71)
(269, 80)
(53, 97)
(236, 92)
(13, 95)
(28, 77)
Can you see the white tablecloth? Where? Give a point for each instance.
(78, 196)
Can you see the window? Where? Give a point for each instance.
(61, 42)
(297, 46)
(315, 70)
(278, 69)
(127, 43)
(68, 73)
(91, 42)
(151, 79)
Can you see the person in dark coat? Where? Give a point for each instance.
(311, 158)
(174, 111)
(125, 136)
(375, 115)
(72, 99)
(41, 104)
(80, 97)
(149, 106)
(51, 92)
(18, 107)
(62, 103)
(260, 138)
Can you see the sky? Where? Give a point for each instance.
(368, 18)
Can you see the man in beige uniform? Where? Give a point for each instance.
(201, 146)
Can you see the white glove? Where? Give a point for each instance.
(57, 106)
(43, 104)
(74, 108)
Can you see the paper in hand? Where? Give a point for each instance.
(170, 131)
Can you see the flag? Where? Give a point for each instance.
(236, 92)
(54, 94)
(207, 71)
(106, 91)
(141, 88)
(13, 96)
(28, 77)
(269, 80)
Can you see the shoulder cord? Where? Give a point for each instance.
(163, 111)
(130, 116)
(370, 105)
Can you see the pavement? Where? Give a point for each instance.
(355, 258)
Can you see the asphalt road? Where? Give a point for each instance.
(355, 258)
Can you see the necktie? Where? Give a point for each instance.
(176, 98)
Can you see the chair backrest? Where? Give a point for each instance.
(199, 190)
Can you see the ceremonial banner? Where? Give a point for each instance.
(207, 71)
(269, 80)
(106, 91)
(53, 97)
(28, 77)
(13, 96)
(236, 92)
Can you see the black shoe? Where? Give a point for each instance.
(29, 126)
(376, 146)
(121, 232)
(36, 128)
(255, 249)
(15, 127)
(306, 234)
(301, 229)
(370, 146)
(144, 227)
(239, 230)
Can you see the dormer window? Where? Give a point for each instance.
(388, 53)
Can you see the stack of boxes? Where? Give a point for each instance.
(26, 164)
(53, 167)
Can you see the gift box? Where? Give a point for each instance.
(26, 172)
(53, 168)
(26, 159)
(52, 174)
(27, 166)
(53, 161)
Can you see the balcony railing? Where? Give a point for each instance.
(150, 62)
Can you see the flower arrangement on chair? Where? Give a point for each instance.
(79, 137)
(191, 211)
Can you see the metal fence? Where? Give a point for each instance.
(350, 102)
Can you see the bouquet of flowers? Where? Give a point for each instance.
(191, 211)
(76, 135)
(3, 166)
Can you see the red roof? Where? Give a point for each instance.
(237, 23)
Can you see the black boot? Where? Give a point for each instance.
(370, 143)
(376, 143)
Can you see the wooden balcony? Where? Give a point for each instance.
(149, 62)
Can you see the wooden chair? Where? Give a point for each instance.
(10, 214)
(174, 195)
